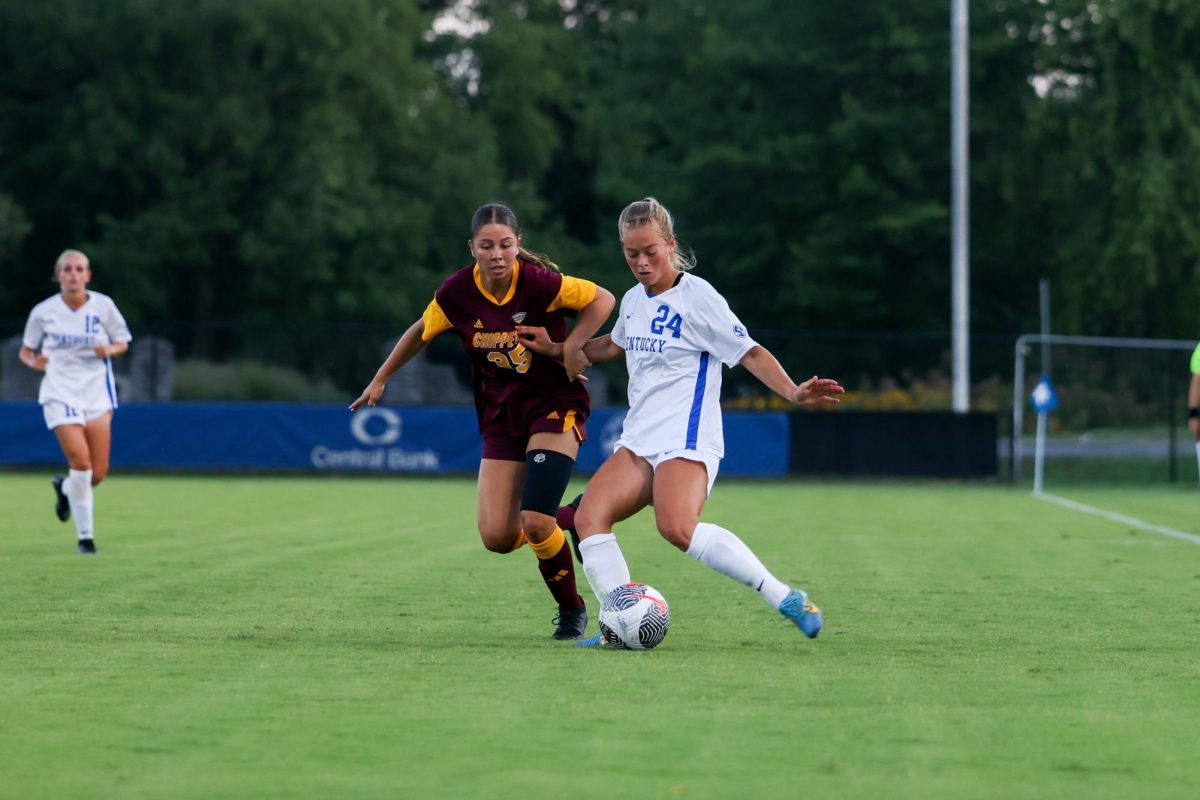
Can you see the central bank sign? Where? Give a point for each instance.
(376, 433)
(328, 438)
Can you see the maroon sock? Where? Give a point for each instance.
(565, 517)
(558, 572)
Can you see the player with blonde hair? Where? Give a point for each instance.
(675, 331)
(72, 337)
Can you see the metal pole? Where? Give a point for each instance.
(1039, 453)
(1044, 305)
(1018, 417)
(1172, 453)
(960, 247)
(1012, 456)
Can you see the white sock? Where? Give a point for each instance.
(78, 489)
(722, 550)
(603, 563)
(1198, 451)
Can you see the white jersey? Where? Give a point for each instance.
(75, 375)
(675, 343)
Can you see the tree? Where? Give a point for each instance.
(805, 151)
(1122, 88)
(237, 161)
(14, 227)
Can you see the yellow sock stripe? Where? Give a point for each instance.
(549, 548)
(518, 543)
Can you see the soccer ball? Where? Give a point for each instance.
(634, 616)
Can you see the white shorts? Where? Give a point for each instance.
(57, 413)
(711, 462)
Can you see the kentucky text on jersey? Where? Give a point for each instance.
(645, 344)
(60, 340)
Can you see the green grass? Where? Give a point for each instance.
(1169, 506)
(258, 638)
(1125, 471)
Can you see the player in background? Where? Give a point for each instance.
(675, 331)
(531, 408)
(72, 337)
(1194, 401)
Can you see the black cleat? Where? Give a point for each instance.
(87, 547)
(570, 623)
(571, 531)
(62, 506)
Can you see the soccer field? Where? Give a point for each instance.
(256, 638)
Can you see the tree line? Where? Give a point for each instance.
(275, 162)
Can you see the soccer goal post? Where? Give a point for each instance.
(1121, 407)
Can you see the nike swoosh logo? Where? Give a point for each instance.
(661, 605)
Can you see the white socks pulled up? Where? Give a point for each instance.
(723, 551)
(78, 489)
(603, 563)
(715, 547)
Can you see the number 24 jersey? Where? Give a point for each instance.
(675, 343)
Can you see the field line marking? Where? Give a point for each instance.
(1109, 515)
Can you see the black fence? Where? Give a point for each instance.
(931, 444)
(280, 361)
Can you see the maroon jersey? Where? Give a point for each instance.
(515, 388)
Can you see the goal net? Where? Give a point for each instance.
(1121, 415)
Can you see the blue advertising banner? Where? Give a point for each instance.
(756, 444)
(328, 438)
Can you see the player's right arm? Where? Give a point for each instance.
(1194, 396)
(412, 342)
(31, 343)
(32, 359)
(602, 348)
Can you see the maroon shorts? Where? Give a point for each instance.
(508, 442)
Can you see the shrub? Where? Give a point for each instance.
(249, 381)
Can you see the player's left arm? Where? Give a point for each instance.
(1193, 397)
(602, 348)
(118, 333)
(1194, 403)
(764, 366)
(111, 350)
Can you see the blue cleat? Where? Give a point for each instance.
(593, 641)
(800, 610)
(87, 547)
